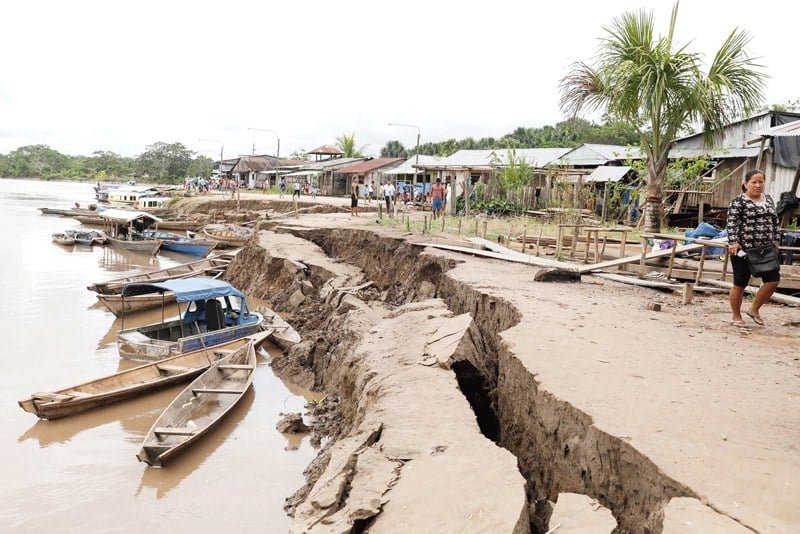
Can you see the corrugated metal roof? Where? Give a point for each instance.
(790, 129)
(329, 164)
(608, 174)
(717, 153)
(408, 165)
(370, 165)
(590, 154)
(535, 157)
(326, 149)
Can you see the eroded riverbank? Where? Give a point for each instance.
(673, 420)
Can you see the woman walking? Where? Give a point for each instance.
(752, 224)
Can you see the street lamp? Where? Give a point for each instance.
(416, 163)
(278, 151)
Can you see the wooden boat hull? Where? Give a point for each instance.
(63, 239)
(119, 306)
(284, 335)
(128, 384)
(225, 239)
(194, 247)
(199, 407)
(145, 246)
(134, 345)
(208, 266)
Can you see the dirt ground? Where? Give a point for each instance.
(471, 396)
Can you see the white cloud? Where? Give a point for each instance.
(83, 76)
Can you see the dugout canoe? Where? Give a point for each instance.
(130, 383)
(199, 407)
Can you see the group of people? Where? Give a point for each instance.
(390, 194)
(309, 188)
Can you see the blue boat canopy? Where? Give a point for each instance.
(186, 289)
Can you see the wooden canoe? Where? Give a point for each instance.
(199, 407)
(204, 267)
(123, 306)
(145, 246)
(284, 335)
(63, 239)
(131, 382)
(225, 238)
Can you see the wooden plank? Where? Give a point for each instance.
(178, 431)
(776, 297)
(234, 366)
(51, 396)
(539, 262)
(638, 257)
(213, 390)
(171, 368)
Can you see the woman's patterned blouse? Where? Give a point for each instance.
(751, 225)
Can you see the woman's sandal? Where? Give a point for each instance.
(756, 318)
(739, 323)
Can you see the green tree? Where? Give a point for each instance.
(347, 144)
(661, 89)
(299, 155)
(394, 149)
(164, 162)
(200, 166)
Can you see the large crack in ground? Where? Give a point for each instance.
(556, 446)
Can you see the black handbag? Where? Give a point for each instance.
(762, 260)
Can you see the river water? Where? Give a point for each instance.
(81, 472)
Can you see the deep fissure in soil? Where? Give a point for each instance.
(557, 447)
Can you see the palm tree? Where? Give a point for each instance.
(347, 144)
(394, 149)
(660, 90)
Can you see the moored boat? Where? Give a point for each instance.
(283, 334)
(182, 244)
(87, 238)
(199, 407)
(205, 267)
(130, 383)
(216, 312)
(227, 237)
(125, 227)
(63, 239)
(119, 305)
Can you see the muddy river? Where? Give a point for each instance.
(82, 472)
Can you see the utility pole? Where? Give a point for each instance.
(416, 162)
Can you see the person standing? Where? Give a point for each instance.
(437, 197)
(296, 190)
(752, 223)
(370, 191)
(354, 198)
(313, 190)
(282, 187)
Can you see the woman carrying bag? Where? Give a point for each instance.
(753, 237)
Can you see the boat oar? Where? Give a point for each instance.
(202, 342)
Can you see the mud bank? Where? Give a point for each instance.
(471, 397)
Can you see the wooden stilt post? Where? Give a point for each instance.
(644, 254)
(459, 225)
(559, 240)
(524, 237)
(700, 267)
(485, 225)
(538, 240)
(672, 259)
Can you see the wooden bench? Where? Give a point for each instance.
(167, 368)
(233, 366)
(177, 431)
(212, 390)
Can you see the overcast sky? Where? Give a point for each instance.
(119, 75)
